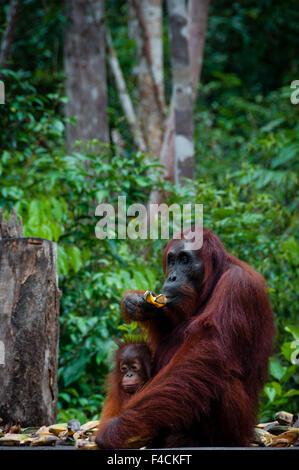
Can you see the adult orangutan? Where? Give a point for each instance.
(133, 362)
(211, 344)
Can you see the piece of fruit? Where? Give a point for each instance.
(156, 300)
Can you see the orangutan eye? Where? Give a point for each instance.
(170, 260)
(184, 259)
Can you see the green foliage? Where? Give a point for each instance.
(242, 38)
(283, 389)
(254, 138)
(57, 194)
(247, 177)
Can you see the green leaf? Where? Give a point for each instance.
(291, 249)
(62, 261)
(100, 356)
(293, 330)
(75, 369)
(88, 293)
(276, 369)
(291, 393)
(81, 323)
(270, 392)
(75, 258)
(288, 153)
(289, 372)
(140, 280)
(65, 396)
(43, 231)
(272, 124)
(273, 390)
(288, 349)
(151, 277)
(34, 210)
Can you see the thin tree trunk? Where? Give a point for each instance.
(9, 33)
(166, 159)
(197, 23)
(167, 150)
(124, 97)
(182, 92)
(118, 142)
(85, 68)
(149, 15)
(29, 327)
(150, 72)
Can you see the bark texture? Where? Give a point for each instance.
(124, 97)
(85, 69)
(13, 228)
(9, 32)
(198, 14)
(150, 72)
(29, 329)
(197, 25)
(182, 91)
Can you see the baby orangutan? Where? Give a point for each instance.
(132, 370)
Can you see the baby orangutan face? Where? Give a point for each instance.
(133, 369)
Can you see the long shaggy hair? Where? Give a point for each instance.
(209, 367)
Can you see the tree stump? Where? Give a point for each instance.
(29, 327)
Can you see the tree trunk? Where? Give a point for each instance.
(124, 97)
(182, 92)
(198, 14)
(29, 327)
(85, 69)
(150, 72)
(9, 33)
(197, 25)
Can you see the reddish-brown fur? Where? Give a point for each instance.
(210, 363)
(117, 397)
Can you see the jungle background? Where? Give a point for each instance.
(245, 167)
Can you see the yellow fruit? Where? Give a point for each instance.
(158, 301)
